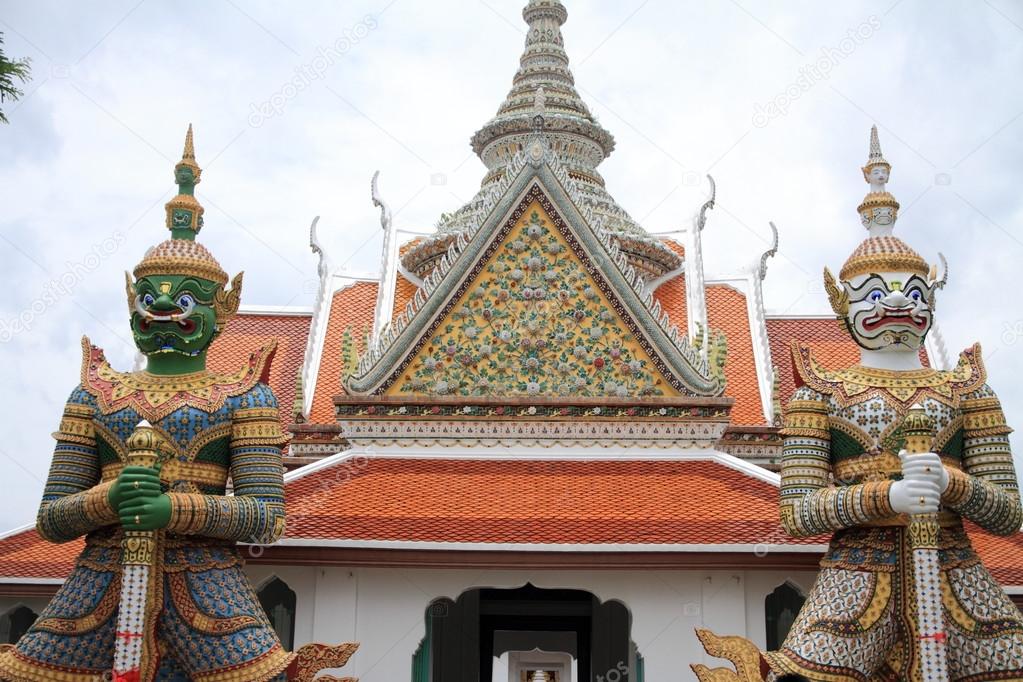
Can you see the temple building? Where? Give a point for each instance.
(541, 443)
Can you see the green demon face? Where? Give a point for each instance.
(173, 314)
(183, 175)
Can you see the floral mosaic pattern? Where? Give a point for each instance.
(534, 324)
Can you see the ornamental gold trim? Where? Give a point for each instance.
(740, 652)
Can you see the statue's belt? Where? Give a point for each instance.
(946, 519)
(886, 466)
(199, 473)
(880, 467)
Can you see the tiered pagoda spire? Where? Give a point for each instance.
(544, 86)
(543, 100)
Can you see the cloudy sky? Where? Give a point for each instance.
(774, 99)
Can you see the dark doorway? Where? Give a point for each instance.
(15, 623)
(463, 633)
(278, 601)
(781, 608)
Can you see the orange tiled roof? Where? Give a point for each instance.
(726, 311)
(826, 337)
(558, 502)
(1003, 556)
(672, 295)
(27, 556)
(404, 290)
(351, 308)
(675, 246)
(535, 502)
(247, 333)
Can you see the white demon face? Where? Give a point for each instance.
(890, 311)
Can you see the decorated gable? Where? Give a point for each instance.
(534, 319)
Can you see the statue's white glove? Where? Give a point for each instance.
(924, 479)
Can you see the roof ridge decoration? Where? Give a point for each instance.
(389, 263)
(543, 94)
(539, 171)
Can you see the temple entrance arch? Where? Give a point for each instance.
(489, 634)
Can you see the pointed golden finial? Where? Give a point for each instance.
(876, 160)
(188, 159)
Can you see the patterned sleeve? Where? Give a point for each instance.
(985, 491)
(810, 504)
(255, 512)
(74, 501)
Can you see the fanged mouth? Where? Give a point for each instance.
(186, 326)
(900, 317)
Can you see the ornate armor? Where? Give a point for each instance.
(842, 433)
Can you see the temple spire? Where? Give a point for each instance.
(543, 85)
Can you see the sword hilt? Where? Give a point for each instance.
(146, 446)
(919, 430)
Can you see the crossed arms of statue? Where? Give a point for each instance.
(76, 502)
(985, 491)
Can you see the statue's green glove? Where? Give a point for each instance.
(146, 513)
(138, 499)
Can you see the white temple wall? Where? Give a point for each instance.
(384, 609)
